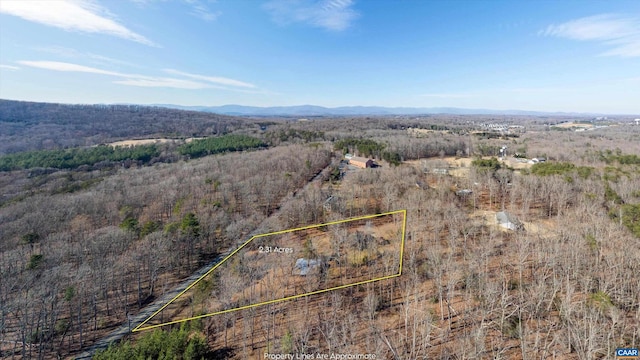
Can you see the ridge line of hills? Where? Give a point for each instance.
(315, 110)
(26, 125)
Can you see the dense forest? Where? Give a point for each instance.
(215, 145)
(84, 249)
(102, 155)
(75, 157)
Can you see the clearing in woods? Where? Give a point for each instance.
(292, 263)
(136, 142)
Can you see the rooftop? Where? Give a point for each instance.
(360, 159)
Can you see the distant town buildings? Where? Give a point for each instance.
(502, 128)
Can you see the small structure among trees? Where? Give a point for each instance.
(304, 266)
(507, 221)
(330, 204)
(361, 162)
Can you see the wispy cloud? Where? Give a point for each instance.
(128, 79)
(59, 50)
(186, 80)
(71, 15)
(335, 15)
(9, 67)
(197, 8)
(163, 82)
(211, 79)
(620, 32)
(68, 67)
(70, 53)
(200, 10)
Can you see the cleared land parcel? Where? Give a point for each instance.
(292, 263)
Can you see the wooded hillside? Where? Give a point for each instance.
(505, 257)
(34, 126)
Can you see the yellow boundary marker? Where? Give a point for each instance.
(404, 224)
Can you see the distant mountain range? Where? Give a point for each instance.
(312, 110)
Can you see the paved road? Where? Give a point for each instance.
(135, 320)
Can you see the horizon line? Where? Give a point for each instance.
(485, 111)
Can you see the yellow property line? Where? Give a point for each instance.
(404, 228)
(404, 221)
(265, 302)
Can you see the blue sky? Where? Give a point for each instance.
(541, 55)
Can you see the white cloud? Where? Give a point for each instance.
(71, 15)
(163, 82)
(335, 15)
(107, 60)
(75, 54)
(148, 81)
(9, 67)
(198, 9)
(211, 79)
(69, 67)
(621, 33)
